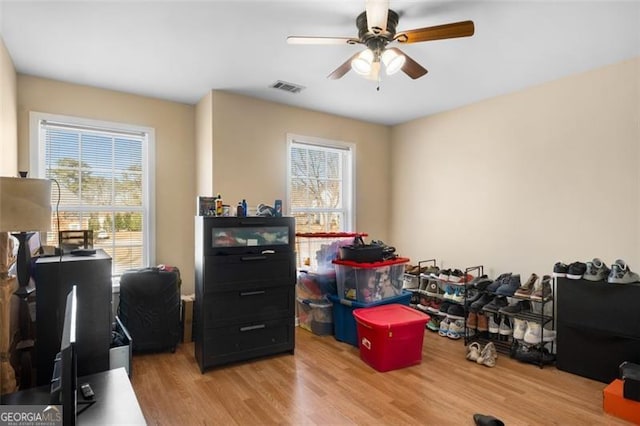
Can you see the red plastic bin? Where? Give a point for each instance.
(390, 336)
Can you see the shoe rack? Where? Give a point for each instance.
(540, 313)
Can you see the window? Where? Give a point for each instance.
(103, 171)
(321, 184)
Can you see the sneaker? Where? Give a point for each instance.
(456, 276)
(543, 290)
(481, 283)
(510, 287)
(449, 292)
(526, 289)
(516, 308)
(519, 328)
(494, 327)
(483, 322)
(433, 289)
(535, 334)
(576, 270)
(596, 271)
(496, 304)
(434, 323)
(502, 279)
(473, 351)
(458, 294)
(444, 274)
(488, 355)
(444, 307)
(533, 355)
(505, 329)
(444, 327)
(479, 304)
(434, 306)
(621, 274)
(560, 270)
(455, 312)
(472, 295)
(430, 271)
(456, 329)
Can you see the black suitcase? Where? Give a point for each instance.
(150, 307)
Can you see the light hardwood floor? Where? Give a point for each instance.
(326, 383)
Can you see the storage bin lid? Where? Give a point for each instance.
(396, 261)
(388, 315)
(315, 303)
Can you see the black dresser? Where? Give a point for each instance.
(54, 277)
(598, 327)
(245, 288)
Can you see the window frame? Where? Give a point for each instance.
(37, 157)
(349, 173)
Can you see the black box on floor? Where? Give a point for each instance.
(630, 375)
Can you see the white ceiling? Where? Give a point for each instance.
(179, 50)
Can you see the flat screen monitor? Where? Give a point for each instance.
(64, 381)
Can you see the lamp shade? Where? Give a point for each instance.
(393, 62)
(25, 204)
(362, 63)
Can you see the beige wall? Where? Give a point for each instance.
(204, 145)
(8, 112)
(250, 154)
(518, 182)
(175, 152)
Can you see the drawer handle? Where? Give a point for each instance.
(252, 258)
(246, 222)
(252, 293)
(252, 327)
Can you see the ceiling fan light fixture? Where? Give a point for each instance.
(374, 73)
(393, 61)
(362, 63)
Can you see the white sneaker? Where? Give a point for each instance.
(505, 327)
(519, 328)
(535, 334)
(456, 329)
(458, 295)
(444, 327)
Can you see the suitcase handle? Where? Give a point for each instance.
(252, 327)
(252, 293)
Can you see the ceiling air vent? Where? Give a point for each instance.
(287, 87)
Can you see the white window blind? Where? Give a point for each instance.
(321, 185)
(103, 177)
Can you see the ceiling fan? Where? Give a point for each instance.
(376, 29)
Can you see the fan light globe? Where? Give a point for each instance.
(362, 63)
(393, 62)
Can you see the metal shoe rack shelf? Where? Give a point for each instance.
(510, 345)
(420, 287)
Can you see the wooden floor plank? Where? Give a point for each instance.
(326, 383)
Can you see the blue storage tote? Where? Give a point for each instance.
(344, 324)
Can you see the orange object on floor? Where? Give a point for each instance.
(617, 405)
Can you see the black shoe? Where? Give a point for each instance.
(484, 420)
(533, 355)
(455, 312)
(496, 304)
(560, 269)
(516, 308)
(576, 270)
(502, 279)
(478, 304)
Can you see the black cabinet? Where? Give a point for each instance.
(54, 277)
(245, 288)
(598, 327)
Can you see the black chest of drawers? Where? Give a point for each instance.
(245, 288)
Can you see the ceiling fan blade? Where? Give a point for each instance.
(377, 15)
(342, 69)
(321, 40)
(439, 32)
(410, 67)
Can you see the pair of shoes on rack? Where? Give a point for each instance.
(485, 356)
(453, 329)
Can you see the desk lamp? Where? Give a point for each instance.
(25, 207)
